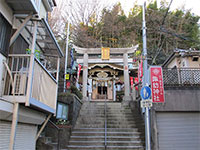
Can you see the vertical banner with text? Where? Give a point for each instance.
(157, 84)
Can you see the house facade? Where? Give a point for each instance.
(29, 56)
(175, 123)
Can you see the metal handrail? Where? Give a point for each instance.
(105, 117)
(59, 129)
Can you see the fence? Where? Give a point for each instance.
(181, 77)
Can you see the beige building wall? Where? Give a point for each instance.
(173, 63)
(194, 64)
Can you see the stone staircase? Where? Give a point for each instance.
(125, 128)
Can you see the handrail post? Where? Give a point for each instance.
(105, 117)
(58, 146)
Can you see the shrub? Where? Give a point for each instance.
(75, 91)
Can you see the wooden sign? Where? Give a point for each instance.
(105, 53)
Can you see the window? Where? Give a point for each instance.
(5, 32)
(195, 58)
(19, 46)
(62, 111)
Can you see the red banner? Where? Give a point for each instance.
(78, 72)
(136, 82)
(131, 80)
(157, 84)
(140, 70)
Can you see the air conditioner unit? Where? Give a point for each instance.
(19, 84)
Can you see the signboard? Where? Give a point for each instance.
(105, 53)
(157, 84)
(67, 76)
(146, 103)
(145, 92)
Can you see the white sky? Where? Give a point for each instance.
(189, 4)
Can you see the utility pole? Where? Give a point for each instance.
(66, 55)
(145, 81)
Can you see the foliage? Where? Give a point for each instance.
(177, 29)
(62, 122)
(75, 91)
(97, 26)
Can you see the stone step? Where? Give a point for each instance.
(91, 115)
(125, 128)
(94, 147)
(108, 125)
(108, 143)
(108, 129)
(109, 138)
(109, 122)
(110, 119)
(102, 133)
(102, 105)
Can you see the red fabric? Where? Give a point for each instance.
(131, 80)
(78, 72)
(136, 82)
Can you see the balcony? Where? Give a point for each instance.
(37, 87)
(30, 6)
(184, 77)
(31, 78)
(23, 6)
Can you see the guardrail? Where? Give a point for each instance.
(58, 133)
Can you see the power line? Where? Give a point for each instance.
(166, 13)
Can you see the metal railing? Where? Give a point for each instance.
(105, 117)
(58, 133)
(181, 77)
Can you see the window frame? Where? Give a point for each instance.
(5, 35)
(64, 112)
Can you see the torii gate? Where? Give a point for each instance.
(125, 60)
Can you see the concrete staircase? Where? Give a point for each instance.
(125, 128)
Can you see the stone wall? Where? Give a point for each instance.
(60, 132)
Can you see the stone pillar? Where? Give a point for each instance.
(85, 76)
(126, 78)
(114, 90)
(90, 88)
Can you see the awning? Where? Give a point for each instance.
(46, 40)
